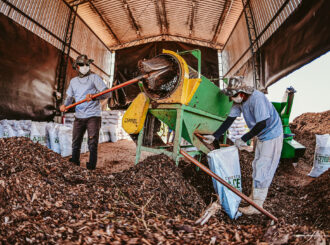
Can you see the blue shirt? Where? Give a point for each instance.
(256, 109)
(78, 89)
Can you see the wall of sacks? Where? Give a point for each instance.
(58, 137)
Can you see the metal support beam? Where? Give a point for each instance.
(103, 20)
(65, 55)
(221, 21)
(253, 42)
(192, 16)
(133, 21)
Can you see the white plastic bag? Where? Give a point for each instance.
(25, 124)
(321, 156)
(8, 130)
(224, 162)
(20, 132)
(38, 133)
(53, 138)
(65, 139)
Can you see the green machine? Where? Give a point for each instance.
(189, 104)
(291, 148)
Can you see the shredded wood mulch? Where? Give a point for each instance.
(47, 200)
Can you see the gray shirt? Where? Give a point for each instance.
(78, 89)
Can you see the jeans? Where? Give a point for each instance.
(80, 125)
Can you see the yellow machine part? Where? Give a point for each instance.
(186, 88)
(135, 115)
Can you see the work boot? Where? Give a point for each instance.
(259, 197)
(90, 166)
(74, 161)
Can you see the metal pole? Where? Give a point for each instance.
(238, 193)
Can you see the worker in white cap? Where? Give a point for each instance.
(264, 122)
(88, 114)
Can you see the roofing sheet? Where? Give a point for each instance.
(133, 22)
(124, 23)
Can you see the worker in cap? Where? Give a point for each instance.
(88, 114)
(82, 65)
(264, 122)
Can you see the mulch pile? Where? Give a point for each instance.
(46, 200)
(305, 127)
(314, 123)
(161, 184)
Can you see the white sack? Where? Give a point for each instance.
(7, 128)
(321, 155)
(65, 139)
(224, 162)
(53, 137)
(38, 133)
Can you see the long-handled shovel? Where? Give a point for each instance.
(209, 172)
(134, 80)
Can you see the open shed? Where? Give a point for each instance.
(62, 185)
(261, 40)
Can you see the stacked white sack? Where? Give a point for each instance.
(111, 127)
(237, 129)
(114, 126)
(57, 137)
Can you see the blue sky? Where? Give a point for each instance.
(312, 83)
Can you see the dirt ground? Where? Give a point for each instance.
(115, 157)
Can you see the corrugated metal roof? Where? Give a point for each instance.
(124, 23)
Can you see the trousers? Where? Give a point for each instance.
(80, 125)
(266, 160)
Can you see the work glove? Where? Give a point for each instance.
(209, 212)
(209, 139)
(239, 143)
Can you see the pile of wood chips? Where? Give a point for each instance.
(47, 200)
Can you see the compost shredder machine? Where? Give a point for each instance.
(189, 104)
(180, 97)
